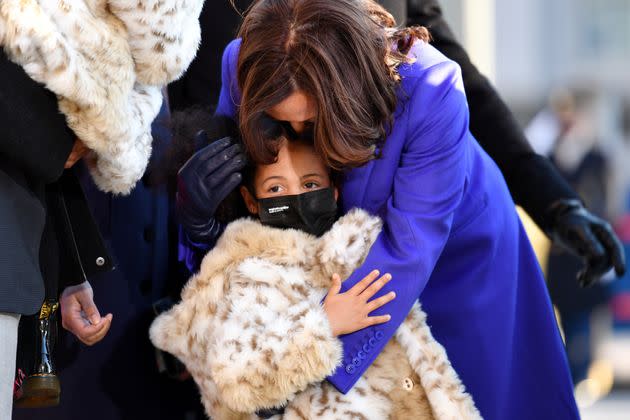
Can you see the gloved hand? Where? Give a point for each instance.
(588, 236)
(203, 183)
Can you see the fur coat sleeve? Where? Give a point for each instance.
(273, 341)
(106, 60)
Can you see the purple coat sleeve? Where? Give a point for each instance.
(429, 183)
(229, 97)
(189, 252)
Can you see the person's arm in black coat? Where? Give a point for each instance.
(34, 135)
(534, 183)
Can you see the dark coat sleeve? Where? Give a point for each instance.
(35, 136)
(533, 181)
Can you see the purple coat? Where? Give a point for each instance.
(452, 239)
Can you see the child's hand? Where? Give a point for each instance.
(348, 312)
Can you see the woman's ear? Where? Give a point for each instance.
(250, 201)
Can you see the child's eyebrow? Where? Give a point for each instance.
(313, 175)
(274, 177)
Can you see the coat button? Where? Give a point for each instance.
(366, 348)
(379, 335)
(372, 341)
(350, 369)
(408, 384)
(356, 361)
(361, 355)
(100, 261)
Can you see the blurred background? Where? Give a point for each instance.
(563, 66)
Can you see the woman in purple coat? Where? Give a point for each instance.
(390, 110)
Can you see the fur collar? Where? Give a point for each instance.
(106, 60)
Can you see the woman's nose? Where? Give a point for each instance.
(298, 126)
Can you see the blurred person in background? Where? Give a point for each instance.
(565, 131)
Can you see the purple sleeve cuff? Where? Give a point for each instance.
(230, 95)
(191, 253)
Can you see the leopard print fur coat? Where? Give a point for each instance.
(252, 332)
(107, 61)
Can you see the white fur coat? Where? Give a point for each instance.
(251, 331)
(106, 60)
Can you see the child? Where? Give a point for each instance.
(251, 328)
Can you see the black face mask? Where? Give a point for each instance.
(312, 212)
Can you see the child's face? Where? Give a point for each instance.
(298, 169)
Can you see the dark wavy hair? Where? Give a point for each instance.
(343, 53)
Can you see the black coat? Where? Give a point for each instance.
(36, 202)
(531, 178)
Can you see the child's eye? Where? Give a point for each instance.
(311, 185)
(275, 189)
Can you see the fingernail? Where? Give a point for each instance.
(389, 317)
(94, 319)
(393, 294)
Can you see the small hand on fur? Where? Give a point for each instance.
(349, 312)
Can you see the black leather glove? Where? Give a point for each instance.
(588, 236)
(203, 183)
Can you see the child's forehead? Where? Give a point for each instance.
(297, 155)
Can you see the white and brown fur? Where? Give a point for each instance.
(106, 60)
(251, 331)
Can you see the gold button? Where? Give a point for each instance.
(408, 384)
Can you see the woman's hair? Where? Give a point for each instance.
(343, 53)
